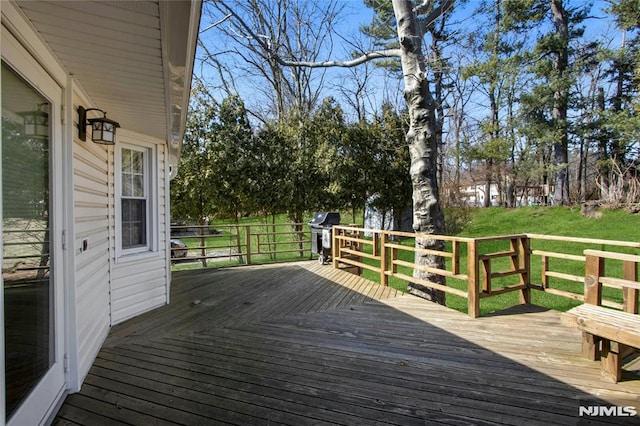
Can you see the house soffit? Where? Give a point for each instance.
(132, 58)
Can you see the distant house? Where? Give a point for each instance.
(85, 218)
(474, 195)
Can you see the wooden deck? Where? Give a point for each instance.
(305, 344)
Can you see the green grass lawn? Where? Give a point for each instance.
(613, 225)
(560, 221)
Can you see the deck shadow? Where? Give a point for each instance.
(301, 344)
(518, 310)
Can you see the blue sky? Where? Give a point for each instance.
(356, 14)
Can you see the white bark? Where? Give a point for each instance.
(427, 213)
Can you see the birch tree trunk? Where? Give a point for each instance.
(427, 213)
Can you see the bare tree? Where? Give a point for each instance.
(458, 124)
(253, 34)
(412, 21)
(357, 91)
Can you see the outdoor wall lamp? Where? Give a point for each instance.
(36, 122)
(103, 130)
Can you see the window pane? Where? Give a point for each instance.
(126, 234)
(137, 237)
(126, 160)
(138, 185)
(127, 187)
(126, 211)
(132, 174)
(134, 223)
(137, 163)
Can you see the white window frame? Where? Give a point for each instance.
(151, 196)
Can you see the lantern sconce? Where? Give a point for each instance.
(36, 122)
(103, 130)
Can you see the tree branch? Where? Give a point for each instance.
(215, 24)
(423, 8)
(445, 6)
(389, 53)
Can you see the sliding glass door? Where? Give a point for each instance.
(33, 307)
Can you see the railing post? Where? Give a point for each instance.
(384, 239)
(455, 259)
(335, 250)
(524, 265)
(545, 269)
(473, 284)
(486, 275)
(394, 257)
(239, 245)
(376, 243)
(594, 269)
(248, 237)
(203, 249)
(630, 295)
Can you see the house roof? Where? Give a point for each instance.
(133, 59)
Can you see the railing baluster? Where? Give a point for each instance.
(630, 295)
(455, 260)
(473, 284)
(248, 237)
(524, 265)
(335, 250)
(486, 275)
(384, 278)
(203, 250)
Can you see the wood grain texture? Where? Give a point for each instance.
(305, 344)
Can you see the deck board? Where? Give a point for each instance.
(306, 344)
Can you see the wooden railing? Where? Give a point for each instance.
(595, 274)
(243, 244)
(381, 253)
(553, 277)
(493, 266)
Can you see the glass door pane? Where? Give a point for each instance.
(28, 285)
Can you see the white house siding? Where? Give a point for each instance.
(94, 288)
(91, 188)
(141, 283)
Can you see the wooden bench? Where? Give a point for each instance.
(608, 334)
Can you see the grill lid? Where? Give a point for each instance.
(325, 219)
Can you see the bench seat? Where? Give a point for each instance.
(617, 331)
(618, 326)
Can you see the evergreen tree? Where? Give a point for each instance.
(551, 61)
(191, 196)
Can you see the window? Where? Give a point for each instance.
(135, 199)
